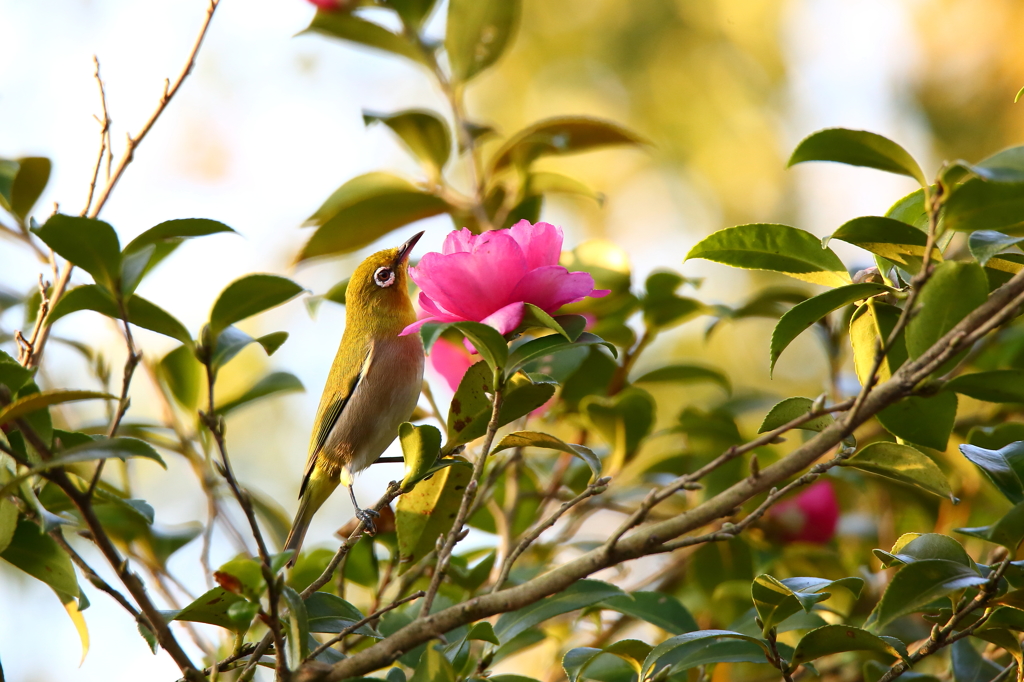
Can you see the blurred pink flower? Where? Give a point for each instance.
(811, 516)
(490, 277)
(327, 5)
(450, 360)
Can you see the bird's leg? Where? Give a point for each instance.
(365, 515)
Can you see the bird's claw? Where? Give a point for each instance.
(367, 516)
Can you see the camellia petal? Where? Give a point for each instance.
(541, 243)
(506, 319)
(552, 286)
(451, 361)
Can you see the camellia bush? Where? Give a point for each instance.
(722, 525)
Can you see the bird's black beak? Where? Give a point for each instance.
(405, 249)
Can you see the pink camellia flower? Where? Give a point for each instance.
(451, 360)
(811, 516)
(491, 276)
(327, 5)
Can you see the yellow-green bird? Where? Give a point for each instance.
(372, 388)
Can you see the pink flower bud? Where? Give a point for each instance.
(811, 516)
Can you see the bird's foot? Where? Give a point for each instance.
(367, 516)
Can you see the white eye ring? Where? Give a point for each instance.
(384, 277)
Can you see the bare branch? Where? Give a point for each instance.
(104, 137)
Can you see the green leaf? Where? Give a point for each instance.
(778, 248)
(165, 542)
(29, 183)
(657, 608)
(918, 584)
(41, 557)
(297, 633)
(540, 183)
(421, 446)
(88, 243)
(904, 464)
(1004, 467)
(559, 136)
(997, 386)
(954, 290)
(471, 407)
(834, 639)
(424, 133)
(889, 238)
(183, 375)
(662, 307)
(1004, 166)
(981, 205)
(33, 402)
(857, 148)
(874, 671)
(212, 607)
(8, 514)
(968, 665)
(801, 316)
(354, 29)
(413, 14)
(673, 643)
(550, 345)
(489, 343)
(911, 210)
(577, 596)
(622, 421)
(364, 209)
(533, 439)
(477, 34)
(433, 667)
(1007, 531)
(922, 421)
(788, 410)
(248, 296)
(776, 600)
(685, 374)
(243, 576)
(428, 511)
(997, 436)
(13, 375)
(986, 244)
(8, 173)
(911, 547)
(568, 326)
(141, 312)
(147, 250)
(328, 613)
(872, 325)
(632, 651)
(272, 384)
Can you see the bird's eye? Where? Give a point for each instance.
(384, 277)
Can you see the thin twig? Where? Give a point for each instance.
(104, 137)
(348, 630)
(91, 575)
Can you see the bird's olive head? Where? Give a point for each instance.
(381, 282)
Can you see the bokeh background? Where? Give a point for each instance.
(270, 123)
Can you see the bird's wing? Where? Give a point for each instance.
(341, 385)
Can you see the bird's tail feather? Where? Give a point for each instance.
(313, 497)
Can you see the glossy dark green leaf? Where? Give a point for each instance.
(90, 244)
(354, 29)
(874, 671)
(141, 313)
(997, 436)
(1004, 166)
(904, 464)
(778, 248)
(489, 343)
(183, 375)
(632, 651)
(13, 375)
(577, 596)
(550, 345)
(954, 290)
(331, 614)
(685, 374)
(41, 557)
(164, 542)
(922, 421)
(29, 183)
(428, 511)
(471, 407)
(912, 547)
(704, 636)
(889, 238)
(477, 34)
(364, 209)
(997, 386)
(835, 639)
(986, 244)
(1007, 531)
(212, 607)
(421, 446)
(297, 629)
(568, 327)
(788, 410)
(248, 296)
(857, 148)
(981, 205)
(424, 133)
(533, 439)
(803, 315)
(35, 401)
(274, 383)
(911, 210)
(558, 136)
(656, 608)
(967, 665)
(776, 600)
(1004, 467)
(147, 250)
(918, 584)
(433, 667)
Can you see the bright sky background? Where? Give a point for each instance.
(268, 125)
